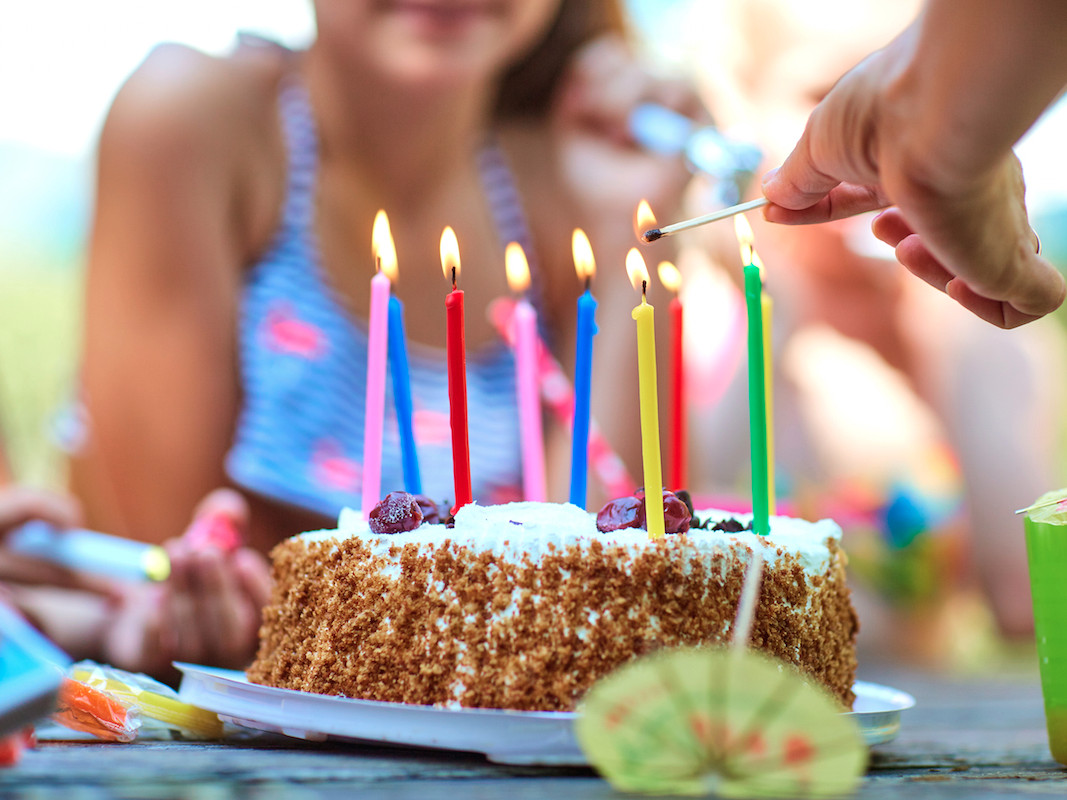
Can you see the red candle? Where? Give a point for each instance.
(457, 372)
(677, 477)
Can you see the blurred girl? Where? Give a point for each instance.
(230, 257)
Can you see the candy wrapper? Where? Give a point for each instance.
(120, 706)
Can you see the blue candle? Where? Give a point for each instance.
(398, 366)
(583, 370)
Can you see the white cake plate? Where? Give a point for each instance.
(505, 737)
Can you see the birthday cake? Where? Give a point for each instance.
(525, 605)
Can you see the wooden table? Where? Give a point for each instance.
(965, 738)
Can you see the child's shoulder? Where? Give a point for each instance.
(184, 95)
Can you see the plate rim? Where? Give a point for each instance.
(905, 700)
(550, 740)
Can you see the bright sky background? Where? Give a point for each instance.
(61, 61)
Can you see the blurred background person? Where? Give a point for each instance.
(895, 408)
(230, 252)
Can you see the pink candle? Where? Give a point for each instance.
(377, 356)
(526, 382)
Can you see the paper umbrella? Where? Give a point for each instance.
(735, 723)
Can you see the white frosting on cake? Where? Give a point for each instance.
(529, 530)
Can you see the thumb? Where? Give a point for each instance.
(839, 142)
(799, 183)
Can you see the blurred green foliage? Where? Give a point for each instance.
(40, 308)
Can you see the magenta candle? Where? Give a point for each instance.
(527, 386)
(377, 358)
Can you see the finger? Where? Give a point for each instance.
(845, 200)
(600, 58)
(220, 520)
(32, 572)
(223, 501)
(226, 615)
(254, 573)
(608, 83)
(980, 233)
(605, 105)
(592, 65)
(799, 183)
(182, 632)
(19, 504)
(1045, 291)
(912, 253)
(679, 95)
(891, 227)
(999, 313)
(135, 640)
(834, 148)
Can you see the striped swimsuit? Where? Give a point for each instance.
(299, 436)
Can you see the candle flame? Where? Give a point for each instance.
(643, 218)
(582, 251)
(745, 238)
(517, 268)
(669, 276)
(449, 253)
(636, 269)
(382, 246)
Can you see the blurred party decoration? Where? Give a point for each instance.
(735, 723)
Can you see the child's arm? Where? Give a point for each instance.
(178, 161)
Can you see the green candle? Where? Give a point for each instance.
(757, 401)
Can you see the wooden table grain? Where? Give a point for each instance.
(966, 737)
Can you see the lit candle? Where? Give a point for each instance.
(585, 266)
(398, 358)
(526, 382)
(646, 367)
(456, 353)
(757, 396)
(377, 343)
(677, 478)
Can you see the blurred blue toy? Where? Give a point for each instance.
(31, 669)
(706, 149)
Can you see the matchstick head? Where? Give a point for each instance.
(652, 235)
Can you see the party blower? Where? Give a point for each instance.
(90, 551)
(113, 556)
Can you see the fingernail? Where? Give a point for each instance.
(769, 176)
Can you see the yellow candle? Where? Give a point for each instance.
(646, 368)
(767, 306)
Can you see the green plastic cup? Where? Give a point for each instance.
(1046, 547)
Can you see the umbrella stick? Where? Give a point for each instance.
(746, 606)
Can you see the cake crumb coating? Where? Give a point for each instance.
(454, 626)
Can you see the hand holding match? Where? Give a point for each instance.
(653, 234)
